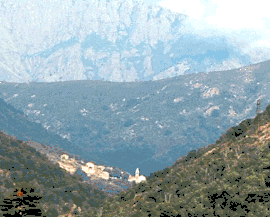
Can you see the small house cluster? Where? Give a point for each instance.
(90, 168)
(67, 164)
(93, 170)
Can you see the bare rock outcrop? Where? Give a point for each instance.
(209, 111)
(211, 92)
(197, 85)
(232, 113)
(178, 99)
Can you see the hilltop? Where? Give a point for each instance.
(132, 41)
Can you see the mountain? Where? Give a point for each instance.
(228, 178)
(116, 40)
(49, 144)
(145, 125)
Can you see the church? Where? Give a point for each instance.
(138, 178)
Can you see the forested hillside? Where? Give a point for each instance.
(228, 178)
(23, 169)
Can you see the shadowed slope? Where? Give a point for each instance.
(23, 169)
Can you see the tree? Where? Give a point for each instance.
(22, 202)
(52, 211)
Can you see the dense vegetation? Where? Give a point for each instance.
(14, 122)
(228, 178)
(233, 179)
(23, 168)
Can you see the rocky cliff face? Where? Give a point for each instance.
(117, 40)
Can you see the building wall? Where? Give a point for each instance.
(92, 169)
(64, 157)
(137, 178)
(69, 167)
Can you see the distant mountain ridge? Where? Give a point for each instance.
(145, 125)
(117, 40)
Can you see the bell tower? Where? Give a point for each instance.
(137, 173)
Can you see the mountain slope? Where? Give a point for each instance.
(18, 126)
(145, 125)
(26, 130)
(228, 178)
(23, 168)
(116, 40)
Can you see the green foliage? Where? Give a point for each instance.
(52, 211)
(27, 169)
(27, 204)
(228, 178)
(230, 181)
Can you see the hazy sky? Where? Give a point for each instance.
(246, 22)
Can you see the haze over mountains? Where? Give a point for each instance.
(136, 91)
(117, 40)
(149, 123)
